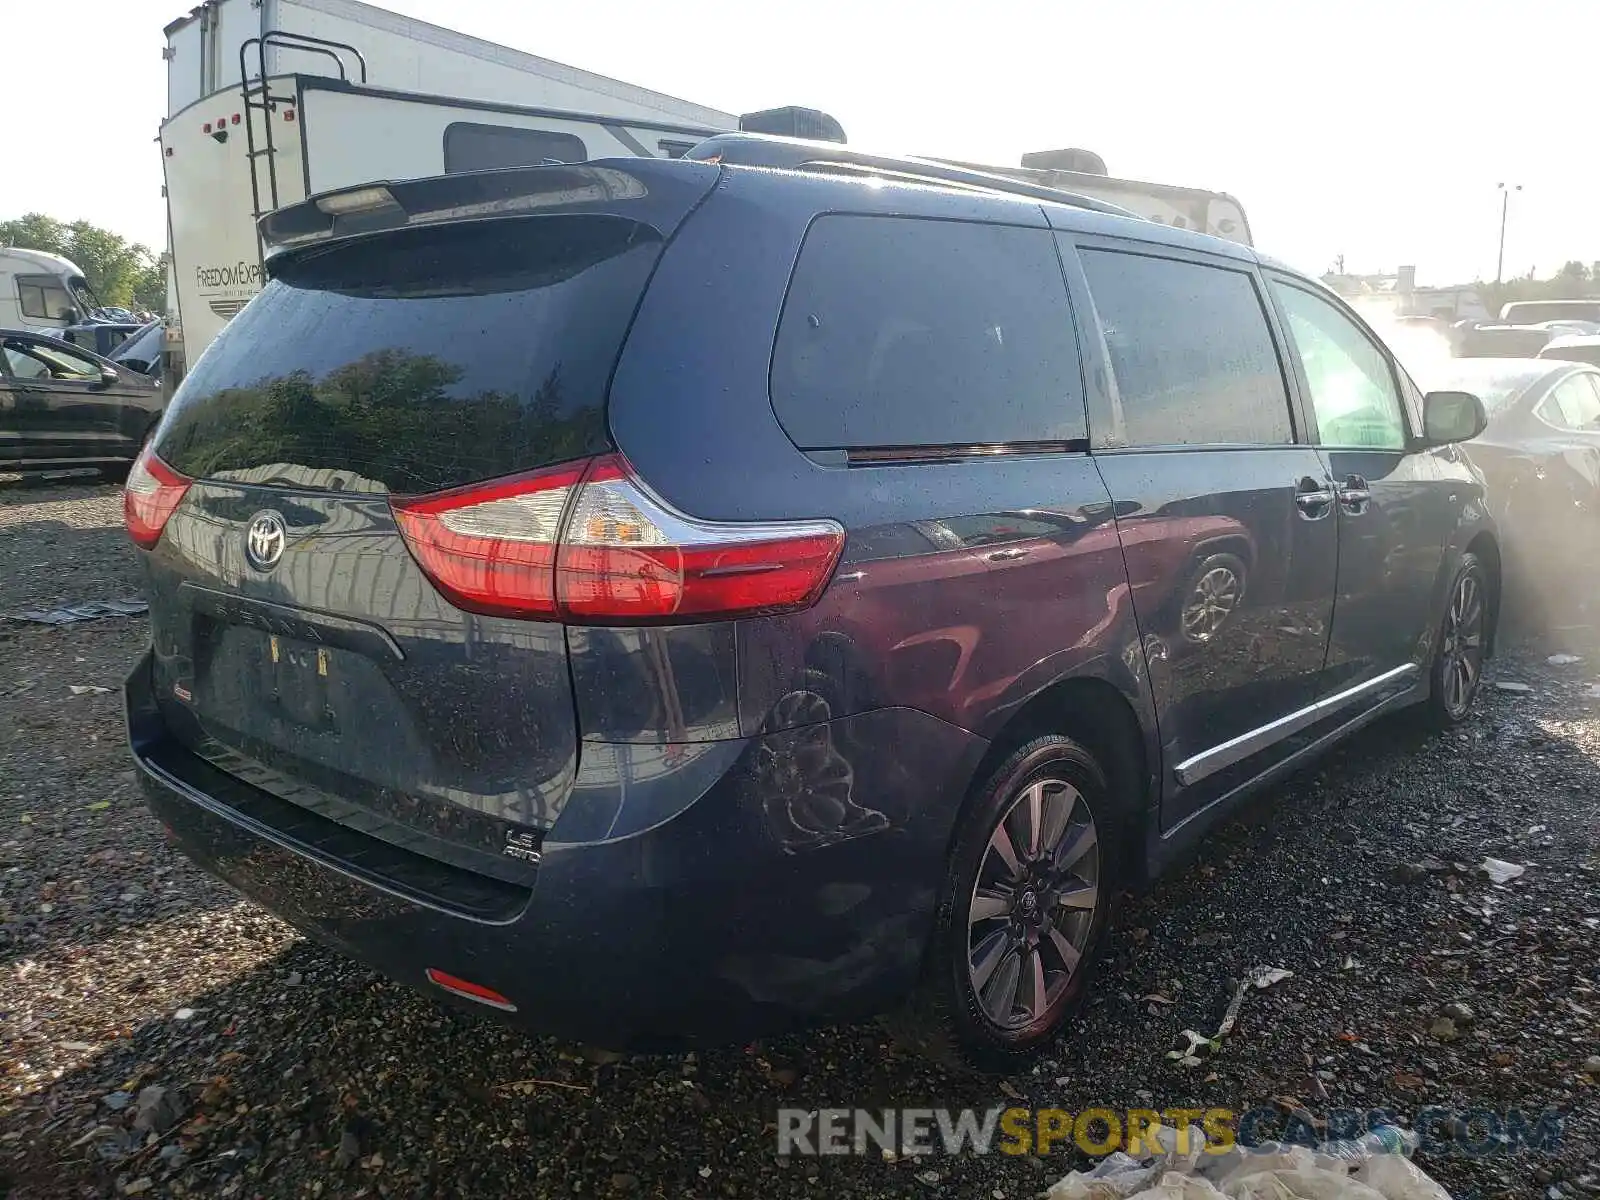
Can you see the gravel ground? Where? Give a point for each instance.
(139, 995)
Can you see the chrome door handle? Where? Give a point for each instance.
(1353, 494)
(1314, 504)
(1007, 555)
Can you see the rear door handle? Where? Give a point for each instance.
(1354, 495)
(1313, 499)
(1007, 555)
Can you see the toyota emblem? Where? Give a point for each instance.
(263, 541)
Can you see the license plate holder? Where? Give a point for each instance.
(296, 684)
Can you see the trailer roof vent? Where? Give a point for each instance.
(809, 123)
(1084, 162)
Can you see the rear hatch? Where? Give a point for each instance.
(298, 645)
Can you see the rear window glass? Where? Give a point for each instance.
(472, 147)
(418, 360)
(906, 332)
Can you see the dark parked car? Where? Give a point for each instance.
(1500, 341)
(1541, 459)
(100, 337)
(61, 406)
(715, 600)
(142, 351)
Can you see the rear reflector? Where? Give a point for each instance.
(151, 494)
(591, 544)
(470, 991)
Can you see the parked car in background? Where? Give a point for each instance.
(61, 406)
(1583, 348)
(141, 352)
(1500, 341)
(99, 337)
(1540, 457)
(1532, 312)
(477, 655)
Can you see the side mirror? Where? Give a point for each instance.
(1452, 417)
(108, 376)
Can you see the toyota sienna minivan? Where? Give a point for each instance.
(679, 601)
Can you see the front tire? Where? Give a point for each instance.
(1463, 642)
(1023, 909)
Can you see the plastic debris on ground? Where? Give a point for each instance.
(1564, 660)
(1500, 871)
(1376, 1166)
(1198, 1045)
(92, 611)
(1512, 686)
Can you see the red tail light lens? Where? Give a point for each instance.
(491, 548)
(626, 556)
(153, 491)
(590, 543)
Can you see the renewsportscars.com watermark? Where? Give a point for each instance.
(1099, 1131)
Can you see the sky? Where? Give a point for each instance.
(1373, 129)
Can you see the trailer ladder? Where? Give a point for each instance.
(257, 95)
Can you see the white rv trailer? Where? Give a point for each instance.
(41, 291)
(270, 101)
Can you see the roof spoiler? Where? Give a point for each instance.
(653, 192)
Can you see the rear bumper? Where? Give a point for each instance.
(798, 887)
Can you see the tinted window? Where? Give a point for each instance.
(1352, 384)
(471, 147)
(1191, 351)
(900, 332)
(418, 360)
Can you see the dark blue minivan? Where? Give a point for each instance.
(670, 601)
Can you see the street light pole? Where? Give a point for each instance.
(1500, 260)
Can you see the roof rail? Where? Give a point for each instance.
(794, 154)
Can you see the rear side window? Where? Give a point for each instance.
(1574, 403)
(1191, 350)
(907, 332)
(418, 360)
(469, 146)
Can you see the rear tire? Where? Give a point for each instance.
(1458, 657)
(1023, 910)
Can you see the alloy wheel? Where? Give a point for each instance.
(1033, 904)
(1211, 602)
(1461, 647)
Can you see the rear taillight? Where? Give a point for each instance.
(589, 543)
(151, 494)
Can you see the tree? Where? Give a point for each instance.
(121, 273)
(1572, 281)
(150, 292)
